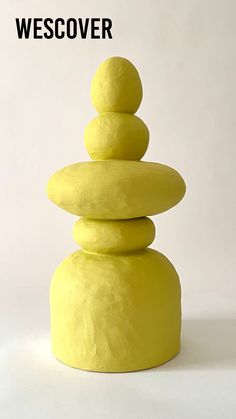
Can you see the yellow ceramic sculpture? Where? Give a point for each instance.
(115, 304)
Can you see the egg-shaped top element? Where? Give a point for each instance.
(116, 86)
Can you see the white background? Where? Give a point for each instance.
(185, 53)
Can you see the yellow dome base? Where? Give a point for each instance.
(115, 313)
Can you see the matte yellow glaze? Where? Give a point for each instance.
(116, 86)
(115, 135)
(116, 189)
(115, 306)
(115, 312)
(108, 236)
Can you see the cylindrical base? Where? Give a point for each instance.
(115, 313)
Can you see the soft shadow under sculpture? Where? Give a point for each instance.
(206, 344)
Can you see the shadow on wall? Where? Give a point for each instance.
(206, 344)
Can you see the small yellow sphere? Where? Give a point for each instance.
(116, 86)
(115, 135)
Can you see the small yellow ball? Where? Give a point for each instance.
(116, 87)
(115, 135)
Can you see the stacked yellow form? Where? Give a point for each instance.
(115, 304)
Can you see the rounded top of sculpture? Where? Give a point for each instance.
(116, 86)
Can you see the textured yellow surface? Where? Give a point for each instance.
(115, 312)
(116, 86)
(115, 305)
(115, 135)
(113, 189)
(108, 236)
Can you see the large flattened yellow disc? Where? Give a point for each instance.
(116, 189)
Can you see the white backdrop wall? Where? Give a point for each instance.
(186, 56)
